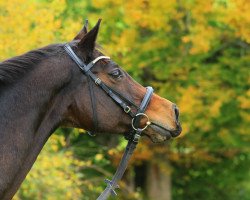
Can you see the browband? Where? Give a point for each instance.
(85, 68)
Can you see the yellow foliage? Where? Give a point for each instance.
(190, 102)
(201, 39)
(98, 157)
(215, 108)
(145, 25)
(25, 26)
(185, 129)
(238, 18)
(245, 101)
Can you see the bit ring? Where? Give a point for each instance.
(147, 123)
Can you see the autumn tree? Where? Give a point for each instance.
(195, 53)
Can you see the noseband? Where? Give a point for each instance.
(134, 135)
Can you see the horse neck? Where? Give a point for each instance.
(31, 110)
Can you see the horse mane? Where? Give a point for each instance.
(12, 69)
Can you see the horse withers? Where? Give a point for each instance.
(45, 89)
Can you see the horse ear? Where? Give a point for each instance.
(83, 32)
(87, 43)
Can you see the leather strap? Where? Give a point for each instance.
(113, 184)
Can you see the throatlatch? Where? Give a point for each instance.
(134, 135)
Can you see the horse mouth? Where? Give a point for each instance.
(159, 133)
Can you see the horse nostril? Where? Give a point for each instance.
(176, 111)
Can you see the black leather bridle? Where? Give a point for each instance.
(134, 135)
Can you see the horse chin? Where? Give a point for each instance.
(158, 133)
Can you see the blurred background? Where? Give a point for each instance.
(193, 52)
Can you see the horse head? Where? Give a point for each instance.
(92, 109)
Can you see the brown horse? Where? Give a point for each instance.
(44, 89)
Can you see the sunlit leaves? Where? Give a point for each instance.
(195, 53)
(27, 25)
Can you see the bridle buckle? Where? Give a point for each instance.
(98, 81)
(136, 138)
(127, 109)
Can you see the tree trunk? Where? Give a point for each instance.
(158, 185)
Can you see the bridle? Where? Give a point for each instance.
(134, 135)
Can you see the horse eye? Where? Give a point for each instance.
(116, 73)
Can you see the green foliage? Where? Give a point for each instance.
(195, 53)
(227, 179)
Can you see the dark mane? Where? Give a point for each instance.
(14, 68)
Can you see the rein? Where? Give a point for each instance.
(135, 133)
